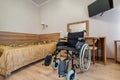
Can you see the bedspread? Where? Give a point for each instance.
(14, 58)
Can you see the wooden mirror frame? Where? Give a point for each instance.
(79, 22)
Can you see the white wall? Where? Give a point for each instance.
(57, 13)
(108, 25)
(19, 16)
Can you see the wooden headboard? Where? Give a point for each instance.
(14, 37)
(51, 36)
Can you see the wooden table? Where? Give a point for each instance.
(101, 44)
(115, 50)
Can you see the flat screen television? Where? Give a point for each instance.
(99, 6)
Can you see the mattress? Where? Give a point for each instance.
(12, 58)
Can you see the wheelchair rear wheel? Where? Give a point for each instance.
(85, 58)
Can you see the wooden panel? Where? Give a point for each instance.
(14, 37)
(51, 36)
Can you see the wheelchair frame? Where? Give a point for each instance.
(83, 53)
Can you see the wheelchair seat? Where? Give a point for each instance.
(67, 48)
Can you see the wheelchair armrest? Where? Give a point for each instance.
(81, 39)
(62, 44)
(62, 39)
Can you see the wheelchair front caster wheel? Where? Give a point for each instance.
(71, 75)
(56, 64)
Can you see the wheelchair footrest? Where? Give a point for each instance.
(62, 69)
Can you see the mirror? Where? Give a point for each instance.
(78, 26)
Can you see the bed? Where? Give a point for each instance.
(20, 49)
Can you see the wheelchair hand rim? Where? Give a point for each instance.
(81, 58)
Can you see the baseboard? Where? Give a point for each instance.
(111, 58)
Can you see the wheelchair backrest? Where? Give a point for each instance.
(73, 38)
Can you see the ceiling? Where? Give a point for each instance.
(39, 2)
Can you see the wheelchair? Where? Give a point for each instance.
(75, 47)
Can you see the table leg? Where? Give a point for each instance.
(93, 51)
(104, 48)
(115, 50)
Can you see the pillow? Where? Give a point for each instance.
(4, 47)
(19, 45)
(35, 43)
(23, 44)
(13, 45)
(42, 42)
(45, 41)
(48, 41)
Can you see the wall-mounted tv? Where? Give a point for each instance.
(99, 6)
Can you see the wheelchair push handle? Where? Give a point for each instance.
(83, 31)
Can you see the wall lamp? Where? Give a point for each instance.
(44, 26)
